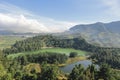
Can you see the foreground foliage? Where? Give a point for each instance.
(11, 69)
(44, 66)
(107, 57)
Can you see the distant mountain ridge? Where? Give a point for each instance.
(110, 27)
(5, 32)
(103, 34)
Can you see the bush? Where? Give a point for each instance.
(73, 54)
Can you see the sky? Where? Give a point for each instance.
(55, 15)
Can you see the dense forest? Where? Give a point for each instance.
(109, 58)
(11, 69)
(48, 57)
(44, 66)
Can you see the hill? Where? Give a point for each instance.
(47, 41)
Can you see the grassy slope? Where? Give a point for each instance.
(57, 50)
(7, 41)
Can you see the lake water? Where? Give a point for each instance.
(68, 68)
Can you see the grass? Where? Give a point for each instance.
(7, 41)
(73, 60)
(56, 50)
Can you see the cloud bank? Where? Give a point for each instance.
(15, 19)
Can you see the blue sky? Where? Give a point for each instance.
(56, 15)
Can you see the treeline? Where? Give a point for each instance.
(38, 42)
(51, 58)
(107, 57)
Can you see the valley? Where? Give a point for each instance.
(61, 54)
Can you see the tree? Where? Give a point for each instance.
(73, 54)
(24, 60)
(3, 72)
(18, 75)
(49, 72)
(90, 73)
(77, 73)
(8, 76)
(105, 72)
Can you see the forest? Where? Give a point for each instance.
(44, 41)
(11, 69)
(44, 66)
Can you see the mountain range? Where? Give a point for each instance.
(102, 34)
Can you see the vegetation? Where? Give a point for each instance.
(104, 73)
(110, 58)
(75, 59)
(66, 51)
(39, 58)
(48, 41)
(31, 71)
(50, 58)
(36, 43)
(73, 54)
(7, 41)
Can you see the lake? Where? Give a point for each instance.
(68, 68)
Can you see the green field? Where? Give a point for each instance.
(57, 50)
(7, 41)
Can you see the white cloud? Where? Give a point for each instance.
(16, 19)
(112, 7)
(20, 24)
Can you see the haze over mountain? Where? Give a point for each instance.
(103, 34)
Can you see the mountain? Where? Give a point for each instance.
(102, 34)
(5, 32)
(9, 33)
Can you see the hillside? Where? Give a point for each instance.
(47, 41)
(102, 34)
